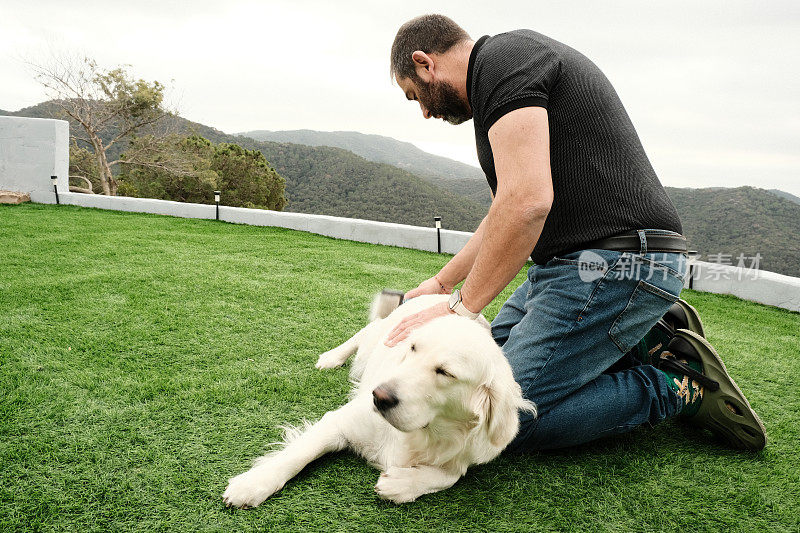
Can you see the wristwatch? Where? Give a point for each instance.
(458, 307)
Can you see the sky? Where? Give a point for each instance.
(713, 87)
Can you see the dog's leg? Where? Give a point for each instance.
(272, 471)
(337, 356)
(401, 485)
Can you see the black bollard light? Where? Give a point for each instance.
(438, 221)
(54, 179)
(216, 201)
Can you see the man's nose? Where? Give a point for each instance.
(425, 112)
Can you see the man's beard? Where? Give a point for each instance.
(442, 100)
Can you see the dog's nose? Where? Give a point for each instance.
(384, 398)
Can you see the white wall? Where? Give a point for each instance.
(352, 229)
(32, 150)
(755, 285)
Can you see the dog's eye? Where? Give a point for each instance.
(443, 372)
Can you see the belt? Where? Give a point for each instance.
(631, 243)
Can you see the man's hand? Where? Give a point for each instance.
(429, 286)
(412, 322)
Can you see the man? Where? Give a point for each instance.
(572, 189)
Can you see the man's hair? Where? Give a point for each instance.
(432, 34)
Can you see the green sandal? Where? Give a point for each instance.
(683, 316)
(680, 316)
(723, 408)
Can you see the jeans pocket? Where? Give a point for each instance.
(646, 305)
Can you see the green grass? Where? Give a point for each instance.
(146, 359)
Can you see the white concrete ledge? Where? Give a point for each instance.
(755, 285)
(136, 205)
(32, 150)
(352, 229)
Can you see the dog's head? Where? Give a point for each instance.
(452, 371)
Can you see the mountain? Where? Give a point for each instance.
(741, 220)
(784, 194)
(333, 181)
(757, 221)
(454, 176)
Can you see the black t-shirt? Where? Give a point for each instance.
(603, 182)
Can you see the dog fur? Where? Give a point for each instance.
(456, 405)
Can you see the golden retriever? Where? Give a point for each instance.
(422, 411)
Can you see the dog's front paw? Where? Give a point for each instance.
(397, 485)
(330, 359)
(250, 489)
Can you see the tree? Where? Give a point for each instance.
(244, 176)
(247, 178)
(83, 166)
(110, 106)
(187, 177)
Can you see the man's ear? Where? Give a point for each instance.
(424, 65)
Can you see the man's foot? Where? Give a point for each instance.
(680, 316)
(711, 398)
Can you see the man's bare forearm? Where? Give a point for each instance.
(460, 265)
(510, 235)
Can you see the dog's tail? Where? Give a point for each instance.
(384, 303)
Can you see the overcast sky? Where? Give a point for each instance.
(713, 87)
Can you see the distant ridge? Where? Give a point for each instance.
(741, 220)
(783, 194)
(448, 174)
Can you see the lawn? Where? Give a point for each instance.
(145, 359)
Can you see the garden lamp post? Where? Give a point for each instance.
(54, 179)
(438, 221)
(216, 201)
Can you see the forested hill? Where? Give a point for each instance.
(333, 181)
(733, 221)
(457, 177)
(741, 220)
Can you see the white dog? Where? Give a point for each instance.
(422, 411)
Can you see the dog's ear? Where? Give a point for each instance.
(497, 403)
(497, 415)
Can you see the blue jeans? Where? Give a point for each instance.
(575, 317)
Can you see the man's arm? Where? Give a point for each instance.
(460, 265)
(521, 147)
